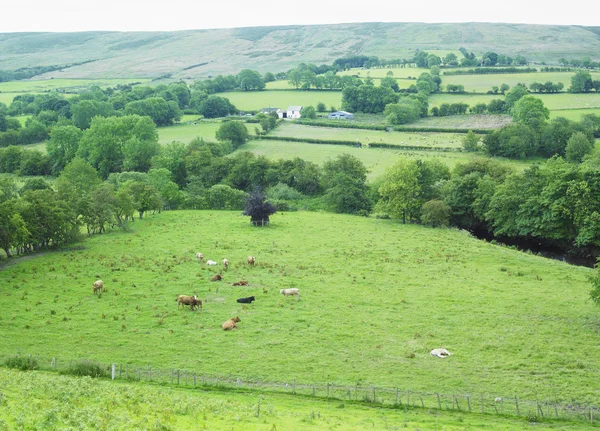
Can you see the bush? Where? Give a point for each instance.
(86, 368)
(282, 191)
(22, 363)
(435, 213)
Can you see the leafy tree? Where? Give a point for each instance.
(308, 112)
(250, 80)
(347, 195)
(367, 98)
(404, 112)
(13, 229)
(345, 164)
(258, 208)
(470, 142)
(62, 146)
(33, 132)
(513, 141)
(269, 77)
(215, 106)
(504, 88)
(233, 131)
(513, 95)
(390, 82)
(321, 107)
(144, 197)
(577, 147)
(221, 196)
(83, 112)
(581, 82)
(400, 190)
(112, 143)
(435, 213)
(163, 113)
(530, 111)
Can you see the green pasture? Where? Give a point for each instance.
(255, 100)
(188, 131)
(431, 140)
(484, 83)
(470, 121)
(7, 98)
(376, 297)
(399, 72)
(574, 114)
(377, 160)
(44, 85)
(62, 402)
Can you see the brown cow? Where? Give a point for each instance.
(251, 260)
(216, 277)
(230, 324)
(192, 301)
(240, 283)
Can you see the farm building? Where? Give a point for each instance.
(267, 111)
(292, 112)
(341, 115)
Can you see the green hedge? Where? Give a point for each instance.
(413, 147)
(312, 141)
(440, 130)
(341, 124)
(491, 71)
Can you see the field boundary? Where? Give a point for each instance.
(347, 125)
(512, 406)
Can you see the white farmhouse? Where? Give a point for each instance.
(293, 112)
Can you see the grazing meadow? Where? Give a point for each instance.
(376, 297)
(64, 402)
(376, 160)
(69, 85)
(186, 132)
(256, 100)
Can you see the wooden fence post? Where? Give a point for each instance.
(469, 402)
(294, 387)
(397, 395)
(194, 379)
(113, 371)
(517, 406)
(54, 363)
(439, 402)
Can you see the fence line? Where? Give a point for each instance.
(385, 396)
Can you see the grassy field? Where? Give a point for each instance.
(186, 132)
(255, 100)
(62, 402)
(370, 136)
(43, 85)
(574, 114)
(376, 160)
(376, 297)
(483, 83)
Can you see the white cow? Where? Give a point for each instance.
(211, 262)
(440, 353)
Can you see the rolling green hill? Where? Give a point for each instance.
(203, 53)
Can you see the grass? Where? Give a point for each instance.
(484, 83)
(63, 402)
(43, 85)
(255, 100)
(376, 297)
(370, 136)
(574, 114)
(376, 160)
(187, 132)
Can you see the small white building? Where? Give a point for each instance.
(341, 115)
(293, 112)
(267, 111)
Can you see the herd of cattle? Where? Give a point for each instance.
(193, 302)
(196, 303)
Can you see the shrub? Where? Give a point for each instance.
(282, 191)
(86, 368)
(22, 363)
(435, 213)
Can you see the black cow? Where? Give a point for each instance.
(246, 300)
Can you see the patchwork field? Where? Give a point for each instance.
(255, 100)
(63, 402)
(430, 140)
(376, 297)
(43, 85)
(376, 160)
(187, 132)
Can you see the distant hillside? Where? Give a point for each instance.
(202, 53)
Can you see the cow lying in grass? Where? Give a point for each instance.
(291, 292)
(230, 324)
(216, 277)
(247, 300)
(192, 301)
(440, 353)
(240, 283)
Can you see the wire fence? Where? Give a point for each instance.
(533, 410)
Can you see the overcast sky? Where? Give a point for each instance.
(149, 15)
